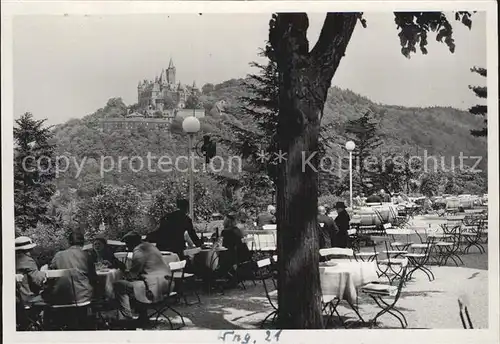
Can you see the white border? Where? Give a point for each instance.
(131, 7)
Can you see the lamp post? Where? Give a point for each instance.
(350, 145)
(191, 125)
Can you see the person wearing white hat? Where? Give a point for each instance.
(34, 279)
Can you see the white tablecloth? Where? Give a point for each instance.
(106, 280)
(167, 258)
(342, 279)
(209, 258)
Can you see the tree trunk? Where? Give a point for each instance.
(297, 202)
(305, 78)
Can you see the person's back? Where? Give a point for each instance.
(265, 219)
(147, 260)
(33, 278)
(171, 234)
(78, 284)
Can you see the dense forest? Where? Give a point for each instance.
(434, 131)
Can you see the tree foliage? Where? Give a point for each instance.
(117, 207)
(480, 110)
(34, 171)
(193, 102)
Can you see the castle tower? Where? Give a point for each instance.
(171, 73)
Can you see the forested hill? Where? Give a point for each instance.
(439, 130)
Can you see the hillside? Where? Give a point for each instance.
(439, 131)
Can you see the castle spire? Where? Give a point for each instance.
(171, 64)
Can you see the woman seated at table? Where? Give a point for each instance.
(78, 286)
(103, 255)
(237, 250)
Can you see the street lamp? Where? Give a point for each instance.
(350, 145)
(191, 125)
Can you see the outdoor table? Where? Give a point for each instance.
(106, 279)
(126, 258)
(343, 278)
(209, 258)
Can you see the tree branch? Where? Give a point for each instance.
(332, 43)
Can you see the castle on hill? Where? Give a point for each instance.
(164, 93)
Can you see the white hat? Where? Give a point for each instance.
(270, 208)
(24, 243)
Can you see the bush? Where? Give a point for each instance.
(49, 240)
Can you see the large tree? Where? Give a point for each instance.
(305, 75)
(34, 171)
(480, 110)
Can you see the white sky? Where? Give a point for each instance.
(69, 66)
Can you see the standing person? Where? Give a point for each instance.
(146, 281)
(170, 235)
(267, 218)
(327, 228)
(342, 221)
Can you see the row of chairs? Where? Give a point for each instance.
(89, 314)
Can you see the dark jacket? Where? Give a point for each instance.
(343, 224)
(327, 230)
(80, 283)
(107, 255)
(374, 199)
(170, 235)
(232, 239)
(33, 278)
(265, 219)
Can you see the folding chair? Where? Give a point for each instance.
(180, 279)
(390, 265)
(266, 271)
(165, 303)
(449, 248)
(28, 315)
(381, 292)
(462, 304)
(473, 237)
(70, 316)
(419, 260)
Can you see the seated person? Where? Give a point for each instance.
(78, 286)
(145, 282)
(267, 218)
(103, 255)
(374, 198)
(237, 251)
(34, 279)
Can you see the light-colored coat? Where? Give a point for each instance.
(65, 291)
(33, 278)
(148, 264)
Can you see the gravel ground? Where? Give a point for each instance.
(430, 305)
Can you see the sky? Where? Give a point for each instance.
(69, 66)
